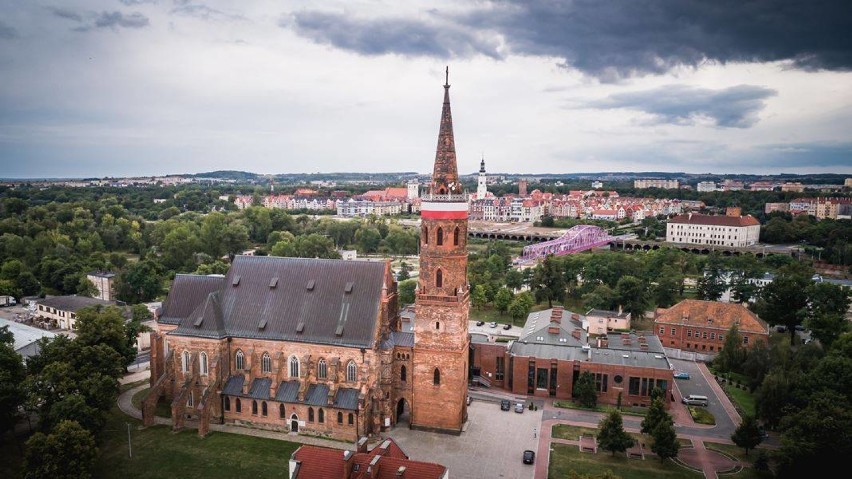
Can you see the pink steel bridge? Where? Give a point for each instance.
(577, 239)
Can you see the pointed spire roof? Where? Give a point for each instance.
(482, 165)
(445, 176)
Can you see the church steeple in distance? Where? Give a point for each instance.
(445, 176)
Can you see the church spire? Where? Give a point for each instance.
(445, 176)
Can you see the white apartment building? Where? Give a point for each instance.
(656, 183)
(718, 230)
(356, 208)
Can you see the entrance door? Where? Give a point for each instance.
(294, 423)
(402, 411)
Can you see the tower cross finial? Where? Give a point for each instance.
(447, 80)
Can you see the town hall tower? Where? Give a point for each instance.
(443, 298)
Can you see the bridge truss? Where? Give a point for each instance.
(577, 239)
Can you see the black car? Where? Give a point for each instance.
(480, 323)
(505, 405)
(507, 326)
(529, 457)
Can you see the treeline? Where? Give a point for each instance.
(831, 240)
(47, 247)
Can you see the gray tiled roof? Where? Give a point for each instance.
(399, 338)
(234, 386)
(186, 293)
(288, 391)
(295, 299)
(317, 395)
(260, 388)
(346, 398)
(73, 303)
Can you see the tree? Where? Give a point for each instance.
(28, 284)
(68, 452)
(712, 284)
(85, 287)
(665, 444)
(548, 281)
(631, 294)
(367, 239)
(785, 300)
(656, 415)
(140, 282)
(602, 297)
(611, 434)
(514, 279)
(502, 300)
(521, 305)
(732, 354)
(406, 291)
(748, 434)
(667, 289)
(585, 390)
(97, 325)
(404, 272)
(12, 376)
(477, 296)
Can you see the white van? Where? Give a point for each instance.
(695, 400)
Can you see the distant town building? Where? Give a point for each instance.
(722, 230)
(360, 208)
(701, 326)
(706, 186)
(104, 281)
(847, 182)
(656, 183)
(522, 187)
(348, 254)
(597, 185)
(413, 189)
(770, 207)
(482, 181)
(762, 186)
(732, 185)
(795, 187)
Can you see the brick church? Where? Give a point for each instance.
(315, 346)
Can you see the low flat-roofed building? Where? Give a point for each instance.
(25, 337)
(62, 310)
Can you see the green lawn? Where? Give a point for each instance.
(734, 451)
(566, 458)
(701, 415)
(742, 398)
(160, 453)
(571, 433)
(164, 409)
(625, 410)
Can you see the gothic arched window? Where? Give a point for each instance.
(294, 367)
(266, 363)
(322, 369)
(203, 363)
(437, 377)
(402, 373)
(439, 278)
(456, 236)
(351, 372)
(439, 237)
(239, 360)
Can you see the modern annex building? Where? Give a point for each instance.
(315, 346)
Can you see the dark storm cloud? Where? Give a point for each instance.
(735, 107)
(389, 35)
(7, 32)
(612, 39)
(66, 13)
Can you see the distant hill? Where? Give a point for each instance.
(228, 175)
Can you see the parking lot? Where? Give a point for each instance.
(492, 445)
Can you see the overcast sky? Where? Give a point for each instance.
(93, 88)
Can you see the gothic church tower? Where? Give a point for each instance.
(442, 301)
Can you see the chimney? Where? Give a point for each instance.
(400, 472)
(575, 316)
(603, 342)
(576, 333)
(553, 328)
(619, 309)
(347, 463)
(361, 445)
(373, 468)
(733, 211)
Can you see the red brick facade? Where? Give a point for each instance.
(442, 301)
(701, 326)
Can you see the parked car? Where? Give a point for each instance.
(519, 407)
(507, 326)
(469, 400)
(529, 457)
(492, 324)
(681, 375)
(505, 405)
(480, 323)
